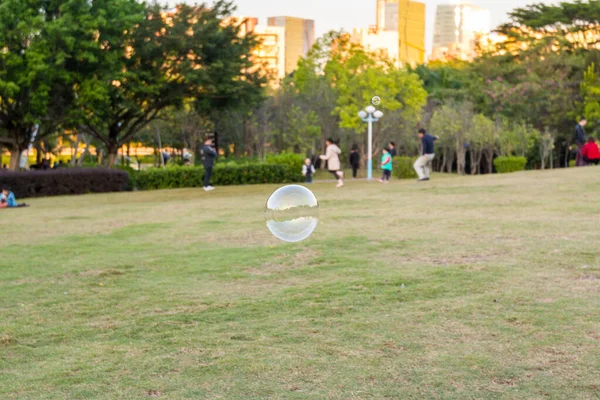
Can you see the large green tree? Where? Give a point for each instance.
(148, 61)
(356, 76)
(37, 43)
(540, 29)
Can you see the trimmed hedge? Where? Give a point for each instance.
(403, 168)
(293, 160)
(64, 181)
(510, 164)
(184, 177)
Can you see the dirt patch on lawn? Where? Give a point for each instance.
(101, 272)
(282, 264)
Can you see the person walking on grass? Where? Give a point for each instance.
(421, 166)
(209, 154)
(308, 170)
(590, 152)
(580, 142)
(386, 166)
(332, 156)
(393, 151)
(354, 161)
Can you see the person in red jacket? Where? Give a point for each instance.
(591, 153)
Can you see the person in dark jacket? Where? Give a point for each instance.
(421, 166)
(393, 151)
(209, 154)
(354, 161)
(580, 142)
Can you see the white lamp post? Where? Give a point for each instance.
(370, 115)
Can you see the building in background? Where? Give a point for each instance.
(373, 40)
(399, 32)
(411, 32)
(270, 53)
(457, 27)
(387, 15)
(299, 38)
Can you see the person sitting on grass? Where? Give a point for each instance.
(8, 200)
(590, 152)
(386, 166)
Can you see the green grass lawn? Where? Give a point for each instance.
(460, 288)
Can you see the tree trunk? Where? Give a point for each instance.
(112, 155)
(38, 153)
(445, 157)
(450, 163)
(15, 159)
(160, 149)
(490, 160)
(75, 151)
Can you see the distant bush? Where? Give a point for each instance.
(64, 181)
(403, 167)
(510, 164)
(238, 160)
(132, 173)
(291, 159)
(572, 163)
(223, 175)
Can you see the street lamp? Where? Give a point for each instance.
(370, 114)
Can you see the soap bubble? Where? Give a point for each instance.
(376, 100)
(292, 213)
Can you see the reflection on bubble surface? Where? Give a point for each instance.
(292, 213)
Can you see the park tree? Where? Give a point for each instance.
(590, 91)
(446, 122)
(357, 76)
(542, 29)
(546, 147)
(452, 81)
(313, 89)
(482, 139)
(38, 42)
(148, 61)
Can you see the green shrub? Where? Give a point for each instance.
(510, 164)
(403, 167)
(238, 160)
(291, 159)
(132, 173)
(182, 177)
(64, 181)
(572, 163)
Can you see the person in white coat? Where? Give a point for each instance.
(332, 156)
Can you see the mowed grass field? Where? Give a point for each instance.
(461, 288)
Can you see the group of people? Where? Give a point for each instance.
(333, 152)
(587, 149)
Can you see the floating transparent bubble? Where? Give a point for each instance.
(376, 100)
(292, 213)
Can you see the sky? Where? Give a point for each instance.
(349, 14)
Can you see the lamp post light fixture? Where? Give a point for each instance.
(370, 114)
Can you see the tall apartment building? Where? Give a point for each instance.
(270, 53)
(456, 29)
(373, 40)
(411, 31)
(299, 38)
(387, 15)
